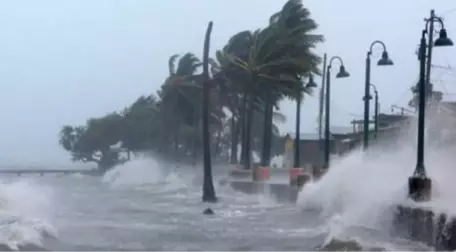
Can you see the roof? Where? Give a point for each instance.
(384, 118)
(341, 130)
(391, 118)
(308, 136)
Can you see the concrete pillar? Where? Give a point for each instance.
(318, 172)
(262, 173)
(295, 188)
(301, 180)
(294, 172)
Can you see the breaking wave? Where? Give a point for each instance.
(359, 194)
(145, 173)
(25, 208)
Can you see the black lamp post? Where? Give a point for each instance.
(310, 84)
(376, 105)
(384, 61)
(341, 74)
(419, 184)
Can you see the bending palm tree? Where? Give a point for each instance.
(208, 184)
(277, 58)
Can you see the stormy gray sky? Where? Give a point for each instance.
(64, 61)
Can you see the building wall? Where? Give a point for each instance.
(312, 151)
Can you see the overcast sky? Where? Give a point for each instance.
(62, 62)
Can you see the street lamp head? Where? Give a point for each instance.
(311, 83)
(443, 39)
(385, 60)
(342, 72)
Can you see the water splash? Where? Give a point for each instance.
(144, 173)
(357, 184)
(361, 191)
(25, 208)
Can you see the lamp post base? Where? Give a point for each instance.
(420, 188)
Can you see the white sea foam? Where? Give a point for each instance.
(362, 190)
(25, 208)
(144, 173)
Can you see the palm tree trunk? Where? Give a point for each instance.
(243, 122)
(248, 133)
(267, 133)
(234, 141)
(194, 138)
(208, 184)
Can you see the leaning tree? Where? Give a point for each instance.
(269, 64)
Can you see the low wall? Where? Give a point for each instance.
(241, 174)
(281, 192)
(316, 172)
(424, 225)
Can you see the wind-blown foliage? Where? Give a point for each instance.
(250, 75)
(269, 64)
(95, 141)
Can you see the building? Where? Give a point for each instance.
(345, 139)
(390, 128)
(311, 147)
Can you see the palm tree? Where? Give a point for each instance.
(254, 71)
(208, 184)
(271, 64)
(180, 95)
(234, 57)
(294, 25)
(234, 90)
(228, 97)
(258, 135)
